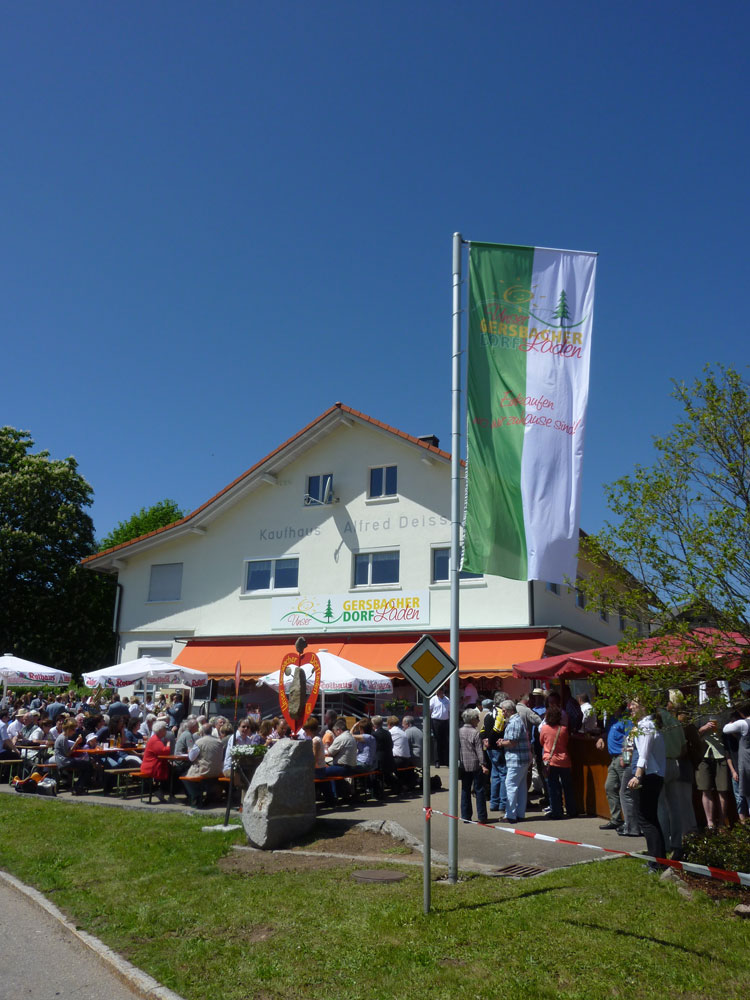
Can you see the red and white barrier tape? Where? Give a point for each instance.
(740, 878)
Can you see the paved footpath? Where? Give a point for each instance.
(43, 959)
(492, 849)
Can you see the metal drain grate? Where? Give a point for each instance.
(519, 871)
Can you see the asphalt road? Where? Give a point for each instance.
(42, 960)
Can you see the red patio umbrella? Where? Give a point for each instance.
(652, 652)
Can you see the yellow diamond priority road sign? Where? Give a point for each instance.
(427, 666)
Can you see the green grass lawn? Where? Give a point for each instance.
(149, 886)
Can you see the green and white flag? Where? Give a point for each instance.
(530, 321)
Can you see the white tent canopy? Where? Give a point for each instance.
(338, 676)
(145, 668)
(16, 672)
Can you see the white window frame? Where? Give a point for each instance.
(381, 496)
(152, 582)
(370, 585)
(271, 589)
(325, 489)
(158, 651)
(464, 577)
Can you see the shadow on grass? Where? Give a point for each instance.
(500, 902)
(607, 929)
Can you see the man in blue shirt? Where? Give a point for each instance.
(619, 798)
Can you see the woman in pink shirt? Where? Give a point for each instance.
(553, 735)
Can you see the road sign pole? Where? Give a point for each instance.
(427, 666)
(426, 790)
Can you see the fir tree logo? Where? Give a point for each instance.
(328, 613)
(562, 312)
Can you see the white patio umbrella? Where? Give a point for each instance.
(338, 676)
(16, 672)
(148, 668)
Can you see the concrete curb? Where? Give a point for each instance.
(398, 832)
(133, 977)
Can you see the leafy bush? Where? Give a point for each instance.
(397, 707)
(720, 847)
(245, 752)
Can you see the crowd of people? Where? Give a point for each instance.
(508, 749)
(660, 758)
(164, 743)
(148, 735)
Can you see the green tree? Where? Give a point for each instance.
(678, 555)
(145, 520)
(51, 611)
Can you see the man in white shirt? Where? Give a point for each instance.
(17, 726)
(147, 725)
(401, 752)
(590, 723)
(440, 720)
(7, 746)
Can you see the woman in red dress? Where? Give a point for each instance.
(156, 747)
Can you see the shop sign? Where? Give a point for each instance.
(384, 609)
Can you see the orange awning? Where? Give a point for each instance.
(480, 656)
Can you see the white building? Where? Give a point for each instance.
(341, 534)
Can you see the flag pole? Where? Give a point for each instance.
(455, 558)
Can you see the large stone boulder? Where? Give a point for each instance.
(279, 805)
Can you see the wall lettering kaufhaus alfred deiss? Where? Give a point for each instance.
(357, 526)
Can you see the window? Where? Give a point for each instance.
(158, 652)
(580, 596)
(603, 614)
(271, 574)
(553, 588)
(166, 582)
(623, 622)
(319, 489)
(441, 565)
(374, 568)
(384, 481)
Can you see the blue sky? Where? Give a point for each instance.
(221, 218)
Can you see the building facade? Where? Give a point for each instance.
(341, 534)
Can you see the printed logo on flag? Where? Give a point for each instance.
(507, 321)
